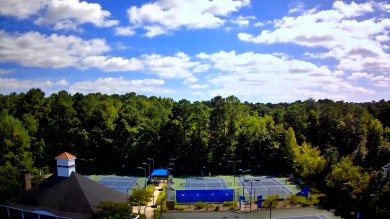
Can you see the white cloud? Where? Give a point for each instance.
(22, 9)
(201, 68)
(259, 24)
(71, 13)
(353, 9)
(190, 80)
(272, 78)
(124, 31)
(178, 66)
(296, 7)
(154, 30)
(350, 33)
(112, 63)
(243, 20)
(379, 81)
(56, 51)
(163, 16)
(8, 85)
(6, 71)
(62, 14)
(198, 86)
(119, 86)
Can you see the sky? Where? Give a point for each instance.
(257, 50)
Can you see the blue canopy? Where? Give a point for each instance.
(160, 172)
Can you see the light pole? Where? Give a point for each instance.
(251, 193)
(149, 169)
(270, 205)
(243, 182)
(152, 161)
(169, 173)
(170, 168)
(228, 157)
(234, 170)
(142, 168)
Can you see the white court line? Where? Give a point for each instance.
(300, 216)
(283, 187)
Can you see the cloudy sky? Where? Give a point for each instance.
(258, 50)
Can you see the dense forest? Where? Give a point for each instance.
(336, 147)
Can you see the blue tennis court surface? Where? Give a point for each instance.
(318, 216)
(120, 184)
(264, 186)
(205, 183)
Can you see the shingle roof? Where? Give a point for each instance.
(387, 166)
(65, 156)
(75, 194)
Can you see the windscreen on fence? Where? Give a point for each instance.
(216, 195)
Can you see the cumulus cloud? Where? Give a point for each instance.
(350, 33)
(112, 63)
(178, 66)
(60, 14)
(22, 9)
(243, 20)
(119, 86)
(379, 80)
(124, 31)
(56, 51)
(8, 85)
(163, 16)
(276, 78)
(71, 13)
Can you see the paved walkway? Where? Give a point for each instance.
(149, 211)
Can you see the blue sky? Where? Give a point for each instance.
(258, 50)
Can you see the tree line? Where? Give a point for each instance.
(336, 146)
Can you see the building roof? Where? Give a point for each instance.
(65, 156)
(387, 166)
(76, 195)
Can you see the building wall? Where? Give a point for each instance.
(61, 162)
(63, 171)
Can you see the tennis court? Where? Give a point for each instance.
(120, 184)
(318, 216)
(265, 186)
(205, 183)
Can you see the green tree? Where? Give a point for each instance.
(139, 196)
(381, 203)
(10, 182)
(308, 162)
(296, 117)
(111, 209)
(347, 184)
(14, 143)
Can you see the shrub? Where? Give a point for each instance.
(111, 209)
(228, 203)
(272, 199)
(179, 207)
(233, 206)
(316, 199)
(216, 208)
(139, 195)
(200, 205)
(300, 200)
